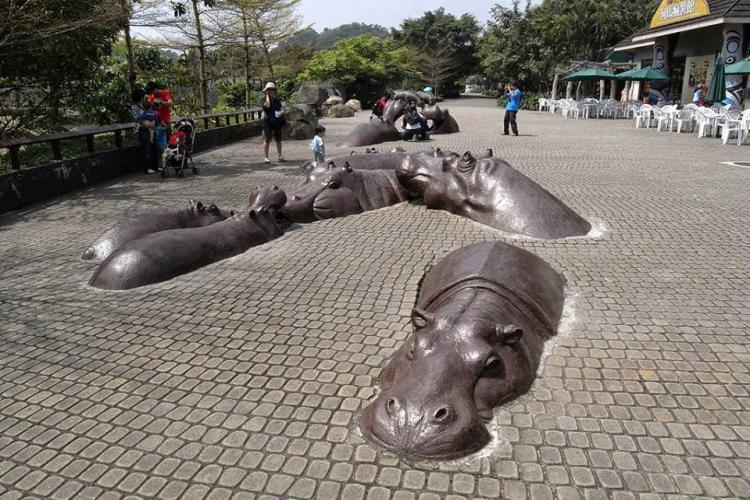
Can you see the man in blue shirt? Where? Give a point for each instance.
(513, 94)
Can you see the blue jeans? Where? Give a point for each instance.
(144, 140)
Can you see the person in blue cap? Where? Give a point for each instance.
(513, 94)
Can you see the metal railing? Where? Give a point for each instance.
(55, 140)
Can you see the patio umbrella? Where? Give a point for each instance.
(643, 75)
(738, 68)
(717, 89)
(590, 74)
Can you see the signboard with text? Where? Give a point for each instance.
(674, 11)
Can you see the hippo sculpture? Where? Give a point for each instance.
(196, 214)
(480, 323)
(343, 191)
(442, 121)
(372, 132)
(161, 256)
(358, 161)
(490, 192)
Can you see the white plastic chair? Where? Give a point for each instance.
(685, 119)
(730, 124)
(707, 121)
(571, 107)
(543, 104)
(664, 115)
(643, 115)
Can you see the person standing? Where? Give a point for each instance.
(161, 99)
(144, 118)
(699, 97)
(273, 120)
(318, 145)
(513, 94)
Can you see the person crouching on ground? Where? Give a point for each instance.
(318, 145)
(513, 94)
(273, 120)
(414, 124)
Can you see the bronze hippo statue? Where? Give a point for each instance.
(426, 97)
(481, 320)
(343, 191)
(196, 214)
(164, 255)
(372, 132)
(442, 121)
(358, 161)
(394, 110)
(490, 192)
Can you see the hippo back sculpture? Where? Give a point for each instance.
(442, 121)
(372, 132)
(196, 214)
(344, 191)
(490, 192)
(164, 255)
(481, 320)
(358, 161)
(394, 110)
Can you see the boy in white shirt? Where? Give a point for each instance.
(318, 146)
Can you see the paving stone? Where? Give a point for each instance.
(245, 379)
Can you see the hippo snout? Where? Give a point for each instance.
(412, 175)
(438, 430)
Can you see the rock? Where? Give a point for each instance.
(298, 131)
(339, 111)
(312, 94)
(354, 105)
(301, 112)
(333, 100)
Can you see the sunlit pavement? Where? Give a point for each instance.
(245, 379)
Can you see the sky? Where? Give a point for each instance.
(389, 13)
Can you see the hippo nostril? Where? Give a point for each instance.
(295, 197)
(441, 415)
(392, 407)
(275, 188)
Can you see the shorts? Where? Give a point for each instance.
(272, 130)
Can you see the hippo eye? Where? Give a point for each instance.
(333, 184)
(493, 364)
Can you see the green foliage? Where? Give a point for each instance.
(440, 30)
(107, 98)
(526, 45)
(366, 65)
(329, 36)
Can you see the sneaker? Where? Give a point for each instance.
(266, 160)
(281, 159)
(150, 171)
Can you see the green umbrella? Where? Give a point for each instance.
(643, 75)
(739, 68)
(590, 74)
(717, 89)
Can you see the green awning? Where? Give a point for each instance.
(590, 74)
(738, 68)
(643, 75)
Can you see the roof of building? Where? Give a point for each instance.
(719, 9)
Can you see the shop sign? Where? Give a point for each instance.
(674, 11)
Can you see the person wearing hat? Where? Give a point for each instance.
(273, 120)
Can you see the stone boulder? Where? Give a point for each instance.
(316, 94)
(334, 100)
(301, 119)
(354, 105)
(339, 111)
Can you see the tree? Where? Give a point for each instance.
(35, 81)
(366, 65)
(440, 29)
(438, 64)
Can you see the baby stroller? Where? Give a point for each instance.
(179, 150)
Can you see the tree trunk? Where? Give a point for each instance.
(613, 90)
(129, 51)
(201, 59)
(569, 90)
(555, 84)
(248, 77)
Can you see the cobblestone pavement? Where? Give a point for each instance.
(245, 379)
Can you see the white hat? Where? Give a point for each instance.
(269, 85)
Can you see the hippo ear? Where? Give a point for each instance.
(213, 209)
(331, 165)
(348, 167)
(421, 318)
(508, 334)
(200, 207)
(352, 153)
(489, 153)
(253, 214)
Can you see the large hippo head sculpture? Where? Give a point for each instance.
(491, 192)
(482, 317)
(442, 121)
(343, 191)
(358, 161)
(372, 132)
